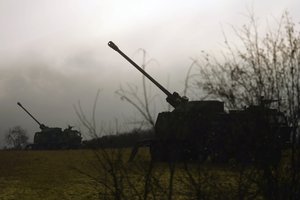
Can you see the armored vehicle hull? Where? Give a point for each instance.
(55, 138)
(202, 129)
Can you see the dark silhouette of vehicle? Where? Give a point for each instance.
(54, 138)
(198, 130)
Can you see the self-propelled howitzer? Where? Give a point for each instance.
(54, 137)
(176, 136)
(196, 130)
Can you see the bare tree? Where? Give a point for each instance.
(116, 178)
(142, 101)
(88, 123)
(16, 137)
(255, 70)
(265, 67)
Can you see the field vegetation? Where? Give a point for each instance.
(79, 174)
(106, 174)
(45, 175)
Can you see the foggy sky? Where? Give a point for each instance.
(54, 53)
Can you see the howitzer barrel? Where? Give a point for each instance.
(174, 99)
(115, 47)
(19, 104)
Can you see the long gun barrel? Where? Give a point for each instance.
(41, 125)
(174, 99)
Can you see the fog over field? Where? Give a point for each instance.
(54, 53)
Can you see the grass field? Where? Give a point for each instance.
(45, 175)
(63, 175)
(81, 174)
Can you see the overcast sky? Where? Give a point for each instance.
(54, 53)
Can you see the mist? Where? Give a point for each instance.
(54, 54)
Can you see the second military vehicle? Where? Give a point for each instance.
(54, 138)
(198, 130)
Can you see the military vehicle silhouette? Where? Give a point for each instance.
(54, 137)
(198, 130)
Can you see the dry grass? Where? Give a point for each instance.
(77, 174)
(45, 175)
